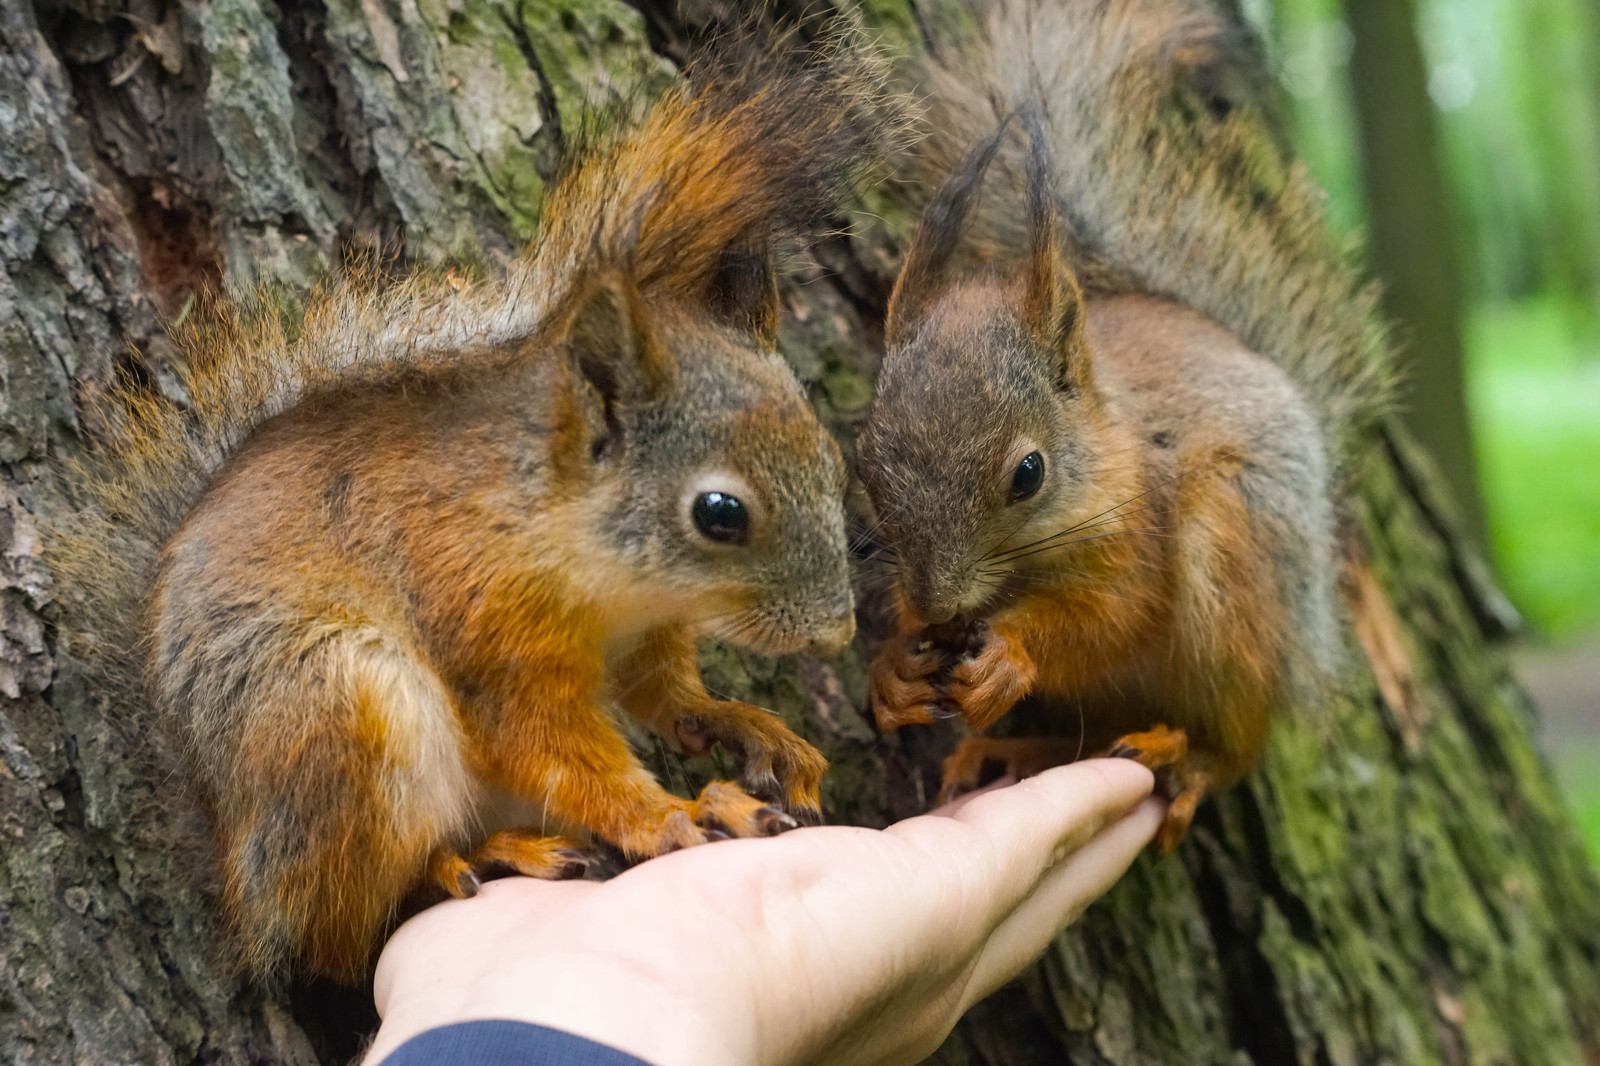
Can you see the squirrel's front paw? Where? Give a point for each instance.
(779, 767)
(905, 683)
(725, 808)
(525, 852)
(986, 685)
(722, 810)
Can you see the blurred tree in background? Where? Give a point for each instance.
(1464, 137)
(1412, 232)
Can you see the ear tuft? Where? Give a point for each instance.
(925, 274)
(1053, 308)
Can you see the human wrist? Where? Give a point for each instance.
(615, 1002)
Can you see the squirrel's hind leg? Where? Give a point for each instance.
(978, 761)
(346, 777)
(1185, 777)
(1180, 810)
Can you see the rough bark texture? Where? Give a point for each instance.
(1398, 884)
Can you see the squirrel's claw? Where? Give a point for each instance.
(772, 821)
(453, 875)
(576, 863)
(726, 809)
(779, 768)
(761, 783)
(1158, 747)
(807, 815)
(904, 687)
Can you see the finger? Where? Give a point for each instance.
(1063, 896)
(1048, 816)
(1030, 827)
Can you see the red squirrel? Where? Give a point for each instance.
(1095, 491)
(388, 574)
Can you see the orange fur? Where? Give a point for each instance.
(1189, 410)
(978, 761)
(1183, 627)
(387, 572)
(1149, 584)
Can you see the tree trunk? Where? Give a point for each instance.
(1413, 234)
(1400, 882)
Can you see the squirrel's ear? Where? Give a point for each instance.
(744, 290)
(925, 274)
(1053, 312)
(1053, 306)
(611, 344)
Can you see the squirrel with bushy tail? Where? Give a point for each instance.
(1124, 358)
(387, 569)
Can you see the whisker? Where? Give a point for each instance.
(1144, 512)
(1052, 579)
(1021, 521)
(1110, 512)
(883, 518)
(1152, 532)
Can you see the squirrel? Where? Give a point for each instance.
(1113, 488)
(390, 565)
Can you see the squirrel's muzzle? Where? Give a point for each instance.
(936, 581)
(836, 636)
(932, 600)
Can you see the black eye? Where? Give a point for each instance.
(1029, 476)
(721, 517)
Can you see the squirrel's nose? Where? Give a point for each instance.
(933, 608)
(933, 590)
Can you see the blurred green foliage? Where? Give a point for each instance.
(1516, 84)
(1583, 788)
(1535, 395)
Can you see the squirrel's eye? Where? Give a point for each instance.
(722, 518)
(1029, 476)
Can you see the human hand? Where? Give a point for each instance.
(831, 945)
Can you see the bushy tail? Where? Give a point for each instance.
(750, 148)
(1171, 178)
(756, 142)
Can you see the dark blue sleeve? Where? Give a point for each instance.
(501, 1043)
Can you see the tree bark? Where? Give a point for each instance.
(1399, 883)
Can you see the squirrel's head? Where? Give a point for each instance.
(982, 439)
(722, 494)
